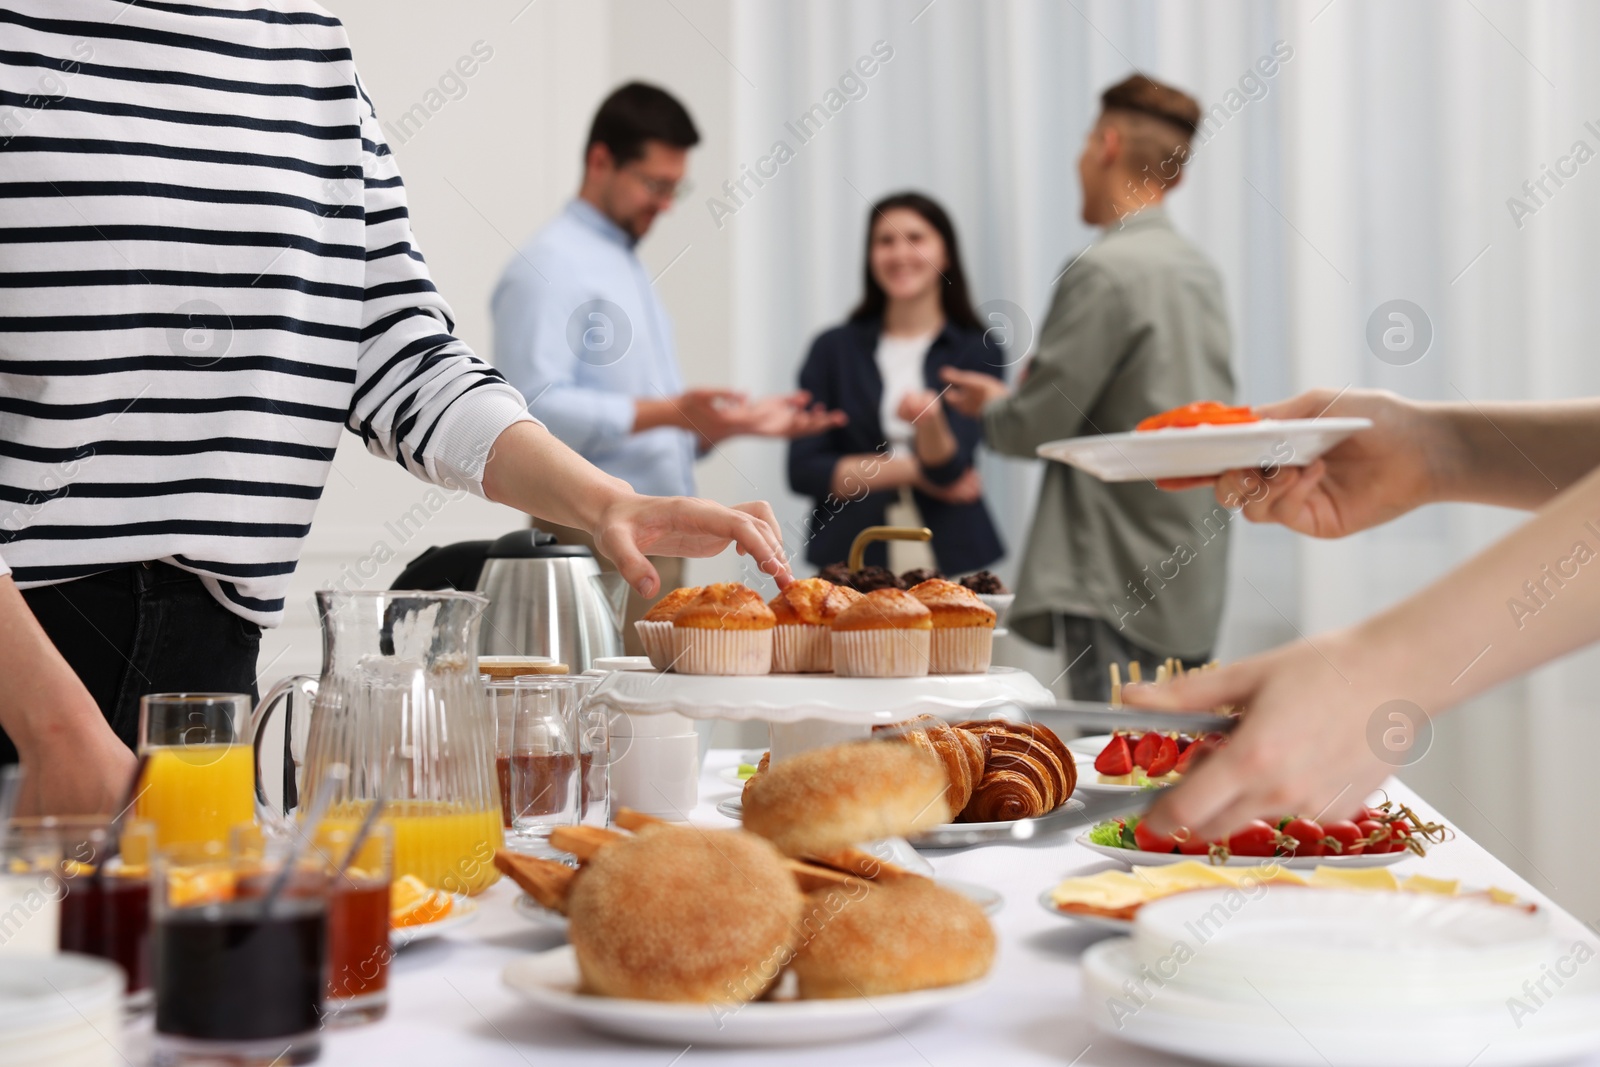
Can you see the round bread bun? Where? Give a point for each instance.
(675, 913)
(825, 799)
(953, 605)
(885, 609)
(873, 938)
(664, 609)
(725, 606)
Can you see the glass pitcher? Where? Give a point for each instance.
(400, 704)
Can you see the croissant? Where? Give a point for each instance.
(962, 753)
(1029, 772)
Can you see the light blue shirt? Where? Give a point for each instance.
(579, 329)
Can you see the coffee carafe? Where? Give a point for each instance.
(545, 599)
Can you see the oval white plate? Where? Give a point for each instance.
(1133, 856)
(733, 808)
(462, 912)
(1200, 451)
(550, 980)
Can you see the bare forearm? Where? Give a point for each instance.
(1531, 597)
(1515, 454)
(43, 705)
(652, 412)
(871, 472)
(532, 471)
(935, 443)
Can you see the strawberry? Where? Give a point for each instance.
(1145, 751)
(1191, 754)
(1115, 758)
(1165, 759)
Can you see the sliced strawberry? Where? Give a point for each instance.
(1116, 758)
(1166, 758)
(1191, 754)
(1145, 751)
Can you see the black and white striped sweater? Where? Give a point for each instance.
(206, 269)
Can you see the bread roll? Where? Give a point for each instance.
(675, 913)
(826, 799)
(872, 938)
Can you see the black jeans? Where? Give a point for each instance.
(145, 628)
(1093, 645)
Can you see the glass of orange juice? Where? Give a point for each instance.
(200, 779)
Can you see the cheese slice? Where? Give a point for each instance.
(1366, 878)
(1181, 877)
(1108, 890)
(1421, 883)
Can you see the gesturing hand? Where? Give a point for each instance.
(638, 526)
(787, 415)
(970, 392)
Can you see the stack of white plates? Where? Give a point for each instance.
(60, 1011)
(1327, 978)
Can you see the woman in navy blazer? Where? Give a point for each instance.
(901, 442)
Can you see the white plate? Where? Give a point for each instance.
(793, 698)
(537, 914)
(1201, 450)
(462, 912)
(550, 980)
(1137, 857)
(733, 808)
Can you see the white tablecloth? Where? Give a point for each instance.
(448, 1005)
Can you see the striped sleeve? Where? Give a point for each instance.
(422, 398)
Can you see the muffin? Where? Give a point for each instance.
(885, 634)
(726, 629)
(873, 577)
(962, 640)
(802, 642)
(837, 573)
(918, 575)
(655, 629)
(985, 582)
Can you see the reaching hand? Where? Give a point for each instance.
(783, 415)
(638, 526)
(1366, 480)
(967, 489)
(970, 392)
(1301, 747)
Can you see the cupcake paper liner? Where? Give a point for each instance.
(798, 648)
(961, 650)
(657, 639)
(897, 653)
(697, 651)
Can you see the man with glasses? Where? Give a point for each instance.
(580, 329)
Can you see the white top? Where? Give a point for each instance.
(448, 1004)
(207, 275)
(900, 361)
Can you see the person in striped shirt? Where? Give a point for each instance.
(206, 271)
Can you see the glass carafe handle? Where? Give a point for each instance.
(301, 684)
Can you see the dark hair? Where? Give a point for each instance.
(636, 113)
(953, 297)
(1147, 96)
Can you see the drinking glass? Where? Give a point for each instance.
(536, 759)
(104, 891)
(30, 896)
(200, 781)
(358, 920)
(591, 729)
(236, 981)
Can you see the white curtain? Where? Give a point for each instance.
(1373, 164)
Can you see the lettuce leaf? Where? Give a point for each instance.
(1108, 833)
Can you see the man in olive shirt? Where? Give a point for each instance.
(1136, 325)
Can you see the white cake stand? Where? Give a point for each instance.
(810, 710)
